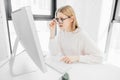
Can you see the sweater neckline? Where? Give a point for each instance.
(75, 31)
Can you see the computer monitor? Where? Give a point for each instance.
(26, 33)
(4, 36)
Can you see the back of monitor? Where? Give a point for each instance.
(27, 35)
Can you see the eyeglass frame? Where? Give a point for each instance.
(61, 19)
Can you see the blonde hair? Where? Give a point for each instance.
(68, 11)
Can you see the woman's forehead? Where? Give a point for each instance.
(59, 14)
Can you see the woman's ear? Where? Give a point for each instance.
(72, 19)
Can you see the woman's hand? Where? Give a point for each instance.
(70, 59)
(52, 26)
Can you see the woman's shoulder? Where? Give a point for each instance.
(82, 33)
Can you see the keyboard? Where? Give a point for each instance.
(56, 64)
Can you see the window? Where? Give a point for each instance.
(42, 9)
(112, 43)
(117, 14)
(113, 40)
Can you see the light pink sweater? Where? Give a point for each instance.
(76, 43)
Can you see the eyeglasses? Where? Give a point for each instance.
(61, 19)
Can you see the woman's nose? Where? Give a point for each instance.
(60, 21)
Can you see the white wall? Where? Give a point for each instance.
(4, 41)
(61, 3)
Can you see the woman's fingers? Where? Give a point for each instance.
(70, 59)
(52, 24)
(63, 58)
(66, 59)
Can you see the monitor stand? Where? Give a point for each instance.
(21, 64)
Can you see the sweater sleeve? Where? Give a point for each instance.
(91, 52)
(54, 45)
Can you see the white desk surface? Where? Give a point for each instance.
(23, 64)
(37, 75)
(94, 72)
(78, 72)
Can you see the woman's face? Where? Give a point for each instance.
(64, 22)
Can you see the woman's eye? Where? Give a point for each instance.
(62, 19)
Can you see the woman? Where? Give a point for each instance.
(71, 41)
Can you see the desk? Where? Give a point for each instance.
(36, 75)
(94, 72)
(78, 72)
(23, 63)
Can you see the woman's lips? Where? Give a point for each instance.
(60, 25)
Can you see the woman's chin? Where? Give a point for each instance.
(61, 28)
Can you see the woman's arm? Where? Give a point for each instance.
(54, 45)
(91, 52)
